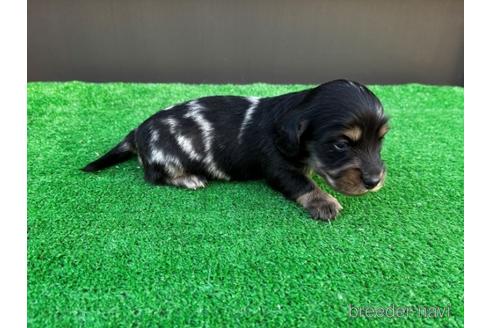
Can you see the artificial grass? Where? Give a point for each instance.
(109, 249)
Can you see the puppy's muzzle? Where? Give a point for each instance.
(352, 182)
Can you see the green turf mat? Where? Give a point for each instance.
(108, 249)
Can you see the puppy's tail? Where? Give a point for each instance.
(120, 153)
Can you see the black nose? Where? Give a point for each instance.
(371, 182)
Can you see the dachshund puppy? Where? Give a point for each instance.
(335, 129)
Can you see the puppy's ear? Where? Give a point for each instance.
(289, 130)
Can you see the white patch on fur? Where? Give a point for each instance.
(188, 181)
(184, 142)
(125, 146)
(194, 112)
(171, 164)
(187, 147)
(172, 123)
(157, 156)
(247, 117)
(380, 110)
(154, 136)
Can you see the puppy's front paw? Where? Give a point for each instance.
(323, 209)
(320, 205)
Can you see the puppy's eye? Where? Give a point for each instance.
(341, 145)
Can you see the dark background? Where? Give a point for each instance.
(377, 41)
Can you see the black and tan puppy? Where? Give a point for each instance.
(335, 129)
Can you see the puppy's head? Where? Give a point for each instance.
(337, 129)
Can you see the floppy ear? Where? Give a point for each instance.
(289, 130)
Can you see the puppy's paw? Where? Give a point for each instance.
(320, 205)
(324, 209)
(189, 181)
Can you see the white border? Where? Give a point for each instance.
(13, 223)
(478, 129)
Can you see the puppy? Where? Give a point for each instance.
(335, 129)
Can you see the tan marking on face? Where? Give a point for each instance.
(383, 130)
(350, 183)
(354, 133)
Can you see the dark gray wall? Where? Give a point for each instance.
(376, 41)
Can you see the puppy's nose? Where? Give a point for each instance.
(371, 181)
